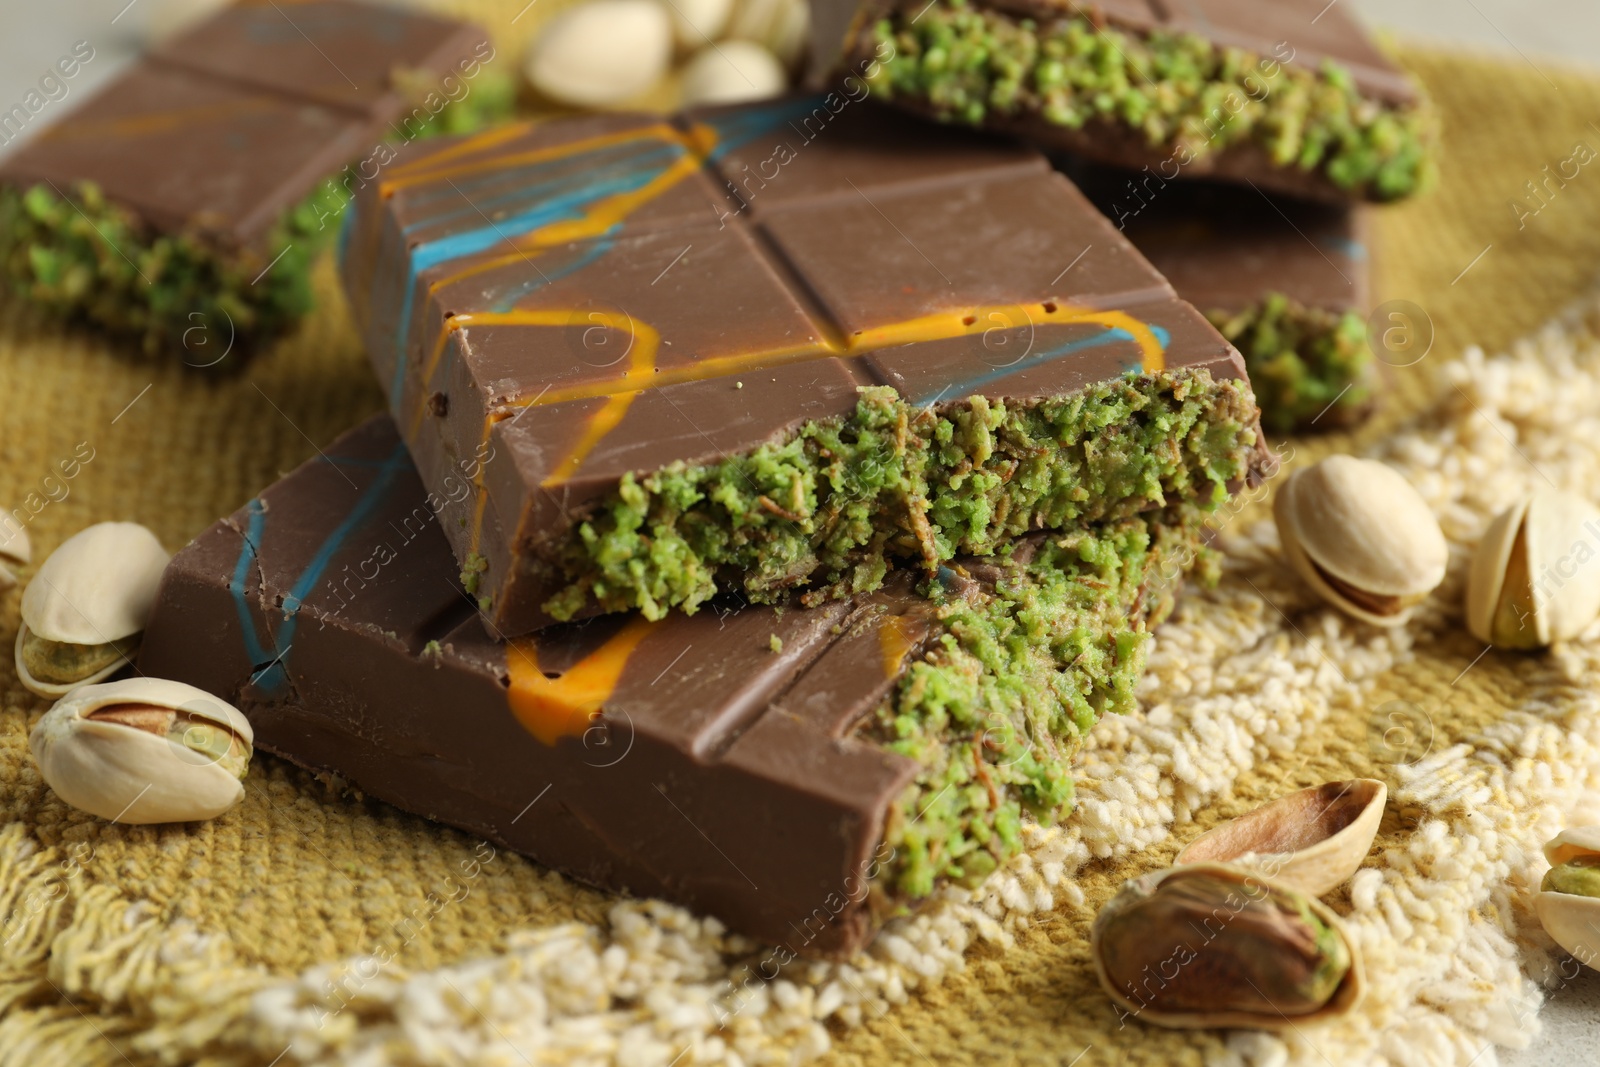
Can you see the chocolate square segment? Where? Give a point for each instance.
(179, 148)
(686, 759)
(591, 301)
(342, 53)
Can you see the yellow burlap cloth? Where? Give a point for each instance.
(312, 926)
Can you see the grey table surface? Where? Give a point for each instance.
(34, 35)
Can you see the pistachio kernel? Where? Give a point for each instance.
(212, 740)
(1579, 876)
(62, 663)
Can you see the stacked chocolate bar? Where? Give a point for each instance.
(1234, 142)
(901, 383)
(183, 203)
(771, 500)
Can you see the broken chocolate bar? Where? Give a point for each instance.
(1289, 94)
(771, 349)
(799, 774)
(1286, 280)
(183, 203)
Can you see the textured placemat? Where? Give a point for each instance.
(310, 925)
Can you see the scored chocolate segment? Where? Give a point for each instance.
(183, 149)
(231, 123)
(345, 54)
(609, 296)
(702, 759)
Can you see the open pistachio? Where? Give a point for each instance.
(1312, 839)
(1362, 537)
(14, 548)
(144, 750)
(1215, 945)
(1535, 577)
(83, 612)
(1568, 901)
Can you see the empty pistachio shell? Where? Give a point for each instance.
(15, 547)
(1313, 839)
(1215, 945)
(1362, 537)
(84, 609)
(144, 750)
(1568, 901)
(1535, 577)
(697, 22)
(602, 52)
(730, 72)
(780, 25)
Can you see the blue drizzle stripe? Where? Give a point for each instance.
(733, 131)
(273, 675)
(966, 386)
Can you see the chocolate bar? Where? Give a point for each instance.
(1286, 280)
(184, 202)
(1288, 94)
(799, 774)
(772, 349)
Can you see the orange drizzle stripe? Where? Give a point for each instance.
(478, 142)
(894, 641)
(536, 155)
(159, 122)
(553, 708)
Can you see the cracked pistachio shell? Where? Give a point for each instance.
(781, 25)
(1214, 945)
(15, 546)
(1568, 901)
(1362, 537)
(1313, 839)
(1535, 576)
(83, 609)
(98, 586)
(602, 52)
(144, 750)
(730, 73)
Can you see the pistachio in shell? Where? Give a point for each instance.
(1213, 945)
(1362, 537)
(84, 611)
(1568, 901)
(144, 750)
(1535, 576)
(1313, 839)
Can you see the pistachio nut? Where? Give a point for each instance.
(1535, 578)
(14, 548)
(781, 25)
(144, 750)
(83, 612)
(601, 52)
(1568, 901)
(1313, 839)
(1216, 945)
(730, 73)
(1362, 537)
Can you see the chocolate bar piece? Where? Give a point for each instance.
(799, 774)
(771, 348)
(1286, 280)
(184, 201)
(1288, 94)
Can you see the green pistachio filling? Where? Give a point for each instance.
(1310, 368)
(83, 256)
(831, 506)
(999, 706)
(1177, 90)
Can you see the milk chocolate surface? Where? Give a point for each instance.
(553, 307)
(1226, 247)
(223, 128)
(703, 759)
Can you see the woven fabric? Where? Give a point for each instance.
(310, 925)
